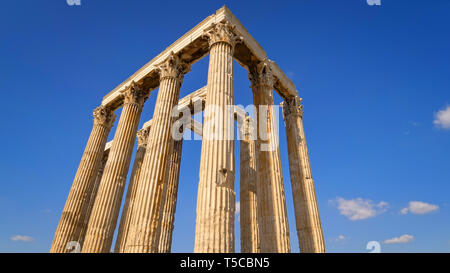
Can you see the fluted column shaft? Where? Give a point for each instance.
(309, 228)
(273, 221)
(142, 236)
(216, 197)
(248, 198)
(93, 194)
(103, 220)
(127, 210)
(167, 212)
(72, 222)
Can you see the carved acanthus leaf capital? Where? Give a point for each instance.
(142, 136)
(222, 32)
(104, 116)
(292, 106)
(261, 74)
(173, 67)
(134, 94)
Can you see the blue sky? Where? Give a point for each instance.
(374, 79)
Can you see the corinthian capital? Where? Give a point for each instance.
(134, 94)
(142, 136)
(261, 74)
(104, 116)
(173, 67)
(222, 32)
(292, 106)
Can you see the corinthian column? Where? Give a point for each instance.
(248, 198)
(309, 228)
(145, 216)
(74, 213)
(167, 212)
(125, 220)
(216, 197)
(104, 215)
(273, 221)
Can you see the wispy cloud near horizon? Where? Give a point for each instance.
(405, 238)
(419, 207)
(442, 118)
(359, 208)
(22, 238)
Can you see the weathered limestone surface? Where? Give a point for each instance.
(75, 211)
(248, 198)
(216, 197)
(273, 221)
(104, 215)
(307, 216)
(94, 194)
(127, 210)
(167, 211)
(145, 216)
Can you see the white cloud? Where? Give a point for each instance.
(238, 208)
(22, 238)
(359, 209)
(405, 238)
(418, 207)
(340, 238)
(442, 118)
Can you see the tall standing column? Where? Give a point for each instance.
(106, 209)
(309, 228)
(93, 194)
(273, 221)
(216, 197)
(167, 212)
(248, 198)
(74, 213)
(142, 236)
(125, 220)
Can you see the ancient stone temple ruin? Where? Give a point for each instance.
(91, 213)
